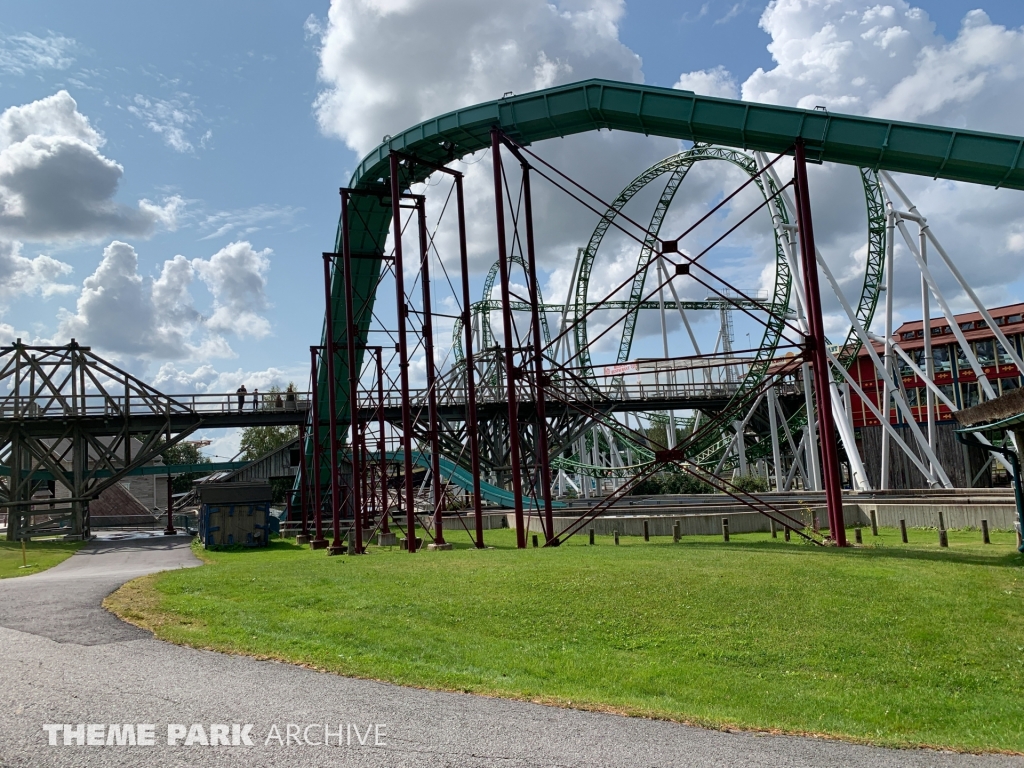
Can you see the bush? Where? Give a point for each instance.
(751, 483)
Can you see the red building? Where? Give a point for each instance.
(955, 378)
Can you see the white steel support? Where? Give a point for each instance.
(954, 326)
(811, 445)
(943, 478)
(929, 358)
(773, 428)
(845, 427)
(741, 447)
(933, 387)
(888, 427)
(997, 332)
(890, 368)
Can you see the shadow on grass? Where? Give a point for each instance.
(1006, 560)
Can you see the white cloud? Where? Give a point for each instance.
(236, 276)
(22, 276)
(116, 310)
(503, 45)
(20, 54)
(171, 119)
(246, 221)
(55, 185)
(124, 312)
(206, 378)
(709, 82)
(887, 60)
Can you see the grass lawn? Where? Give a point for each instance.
(40, 555)
(888, 643)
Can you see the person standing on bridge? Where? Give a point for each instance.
(241, 392)
(255, 400)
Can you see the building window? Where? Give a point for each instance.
(1004, 356)
(985, 352)
(940, 356)
(1013, 319)
(967, 326)
(969, 395)
(947, 390)
(1008, 385)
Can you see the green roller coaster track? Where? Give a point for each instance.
(676, 168)
(870, 143)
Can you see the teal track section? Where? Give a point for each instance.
(591, 105)
(461, 477)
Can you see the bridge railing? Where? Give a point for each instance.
(114, 406)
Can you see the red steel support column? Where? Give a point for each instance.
(538, 364)
(382, 443)
(427, 327)
(303, 537)
(467, 328)
(822, 388)
(332, 416)
(319, 542)
(510, 371)
(351, 336)
(403, 353)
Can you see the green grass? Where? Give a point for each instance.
(39, 554)
(889, 643)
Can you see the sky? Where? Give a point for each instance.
(169, 173)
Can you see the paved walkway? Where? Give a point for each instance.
(63, 659)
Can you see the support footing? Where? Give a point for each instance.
(387, 539)
(435, 546)
(318, 544)
(302, 540)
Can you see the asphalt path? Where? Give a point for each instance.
(65, 660)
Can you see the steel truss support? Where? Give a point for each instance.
(403, 352)
(511, 372)
(318, 542)
(76, 419)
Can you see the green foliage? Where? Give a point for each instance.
(672, 483)
(184, 453)
(751, 483)
(657, 434)
(259, 441)
(889, 643)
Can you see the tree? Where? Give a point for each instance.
(184, 453)
(259, 441)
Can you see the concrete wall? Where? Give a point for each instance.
(708, 521)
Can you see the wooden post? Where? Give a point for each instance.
(647, 531)
(591, 536)
(787, 533)
(984, 532)
(943, 537)
(725, 528)
(771, 524)
(676, 532)
(616, 535)
(858, 536)
(535, 541)
(903, 530)
(874, 522)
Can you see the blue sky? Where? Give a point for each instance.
(212, 111)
